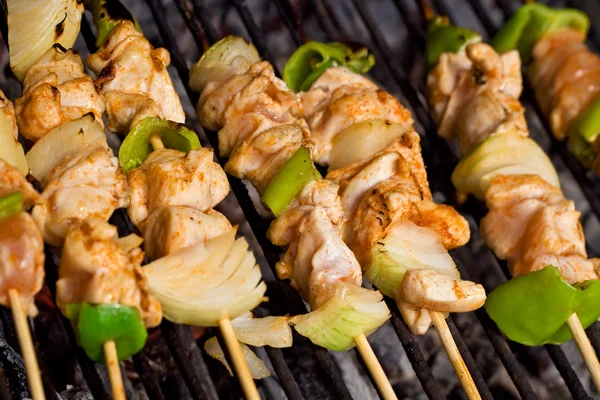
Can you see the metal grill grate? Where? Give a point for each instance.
(172, 366)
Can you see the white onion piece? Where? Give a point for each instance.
(206, 282)
(407, 246)
(230, 56)
(257, 367)
(63, 141)
(361, 141)
(267, 331)
(11, 150)
(502, 154)
(35, 25)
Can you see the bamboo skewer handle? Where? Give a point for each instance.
(239, 362)
(585, 348)
(455, 358)
(31, 364)
(114, 370)
(372, 363)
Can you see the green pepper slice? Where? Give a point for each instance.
(581, 148)
(533, 309)
(95, 325)
(588, 124)
(445, 38)
(137, 147)
(289, 180)
(107, 14)
(531, 22)
(11, 204)
(312, 59)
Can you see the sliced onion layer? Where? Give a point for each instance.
(351, 311)
(63, 141)
(257, 367)
(11, 150)
(407, 246)
(204, 283)
(502, 154)
(361, 141)
(266, 331)
(230, 56)
(35, 25)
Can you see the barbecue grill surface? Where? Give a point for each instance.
(172, 366)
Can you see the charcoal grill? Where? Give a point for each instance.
(172, 365)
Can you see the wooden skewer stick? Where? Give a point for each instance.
(31, 364)
(239, 362)
(381, 380)
(585, 348)
(156, 142)
(114, 370)
(455, 358)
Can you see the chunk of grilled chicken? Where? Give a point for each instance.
(8, 109)
(21, 260)
(475, 93)
(532, 225)
(383, 192)
(333, 106)
(133, 76)
(99, 268)
(12, 180)
(565, 76)
(173, 178)
(88, 184)
(256, 91)
(433, 290)
(171, 228)
(56, 90)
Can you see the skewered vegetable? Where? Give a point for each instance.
(107, 14)
(257, 367)
(11, 204)
(35, 26)
(97, 324)
(297, 171)
(531, 22)
(445, 38)
(11, 150)
(137, 145)
(260, 129)
(533, 309)
(529, 222)
(312, 59)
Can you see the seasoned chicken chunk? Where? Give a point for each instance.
(475, 93)
(12, 180)
(88, 184)
(532, 225)
(96, 268)
(172, 178)
(8, 109)
(417, 319)
(171, 228)
(56, 90)
(21, 260)
(133, 76)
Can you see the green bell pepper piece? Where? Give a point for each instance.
(136, 147)
(310, 60)
(533, 309)
(107, 14)
(531, 22)
(588, 123)
(445, 38)
(581, 148)
(289, 180)
(95, 325)
(11, 204)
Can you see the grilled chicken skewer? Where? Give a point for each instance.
(474, 99)
(399, 235)
(262, 132)
(21, 244)
(173, 191)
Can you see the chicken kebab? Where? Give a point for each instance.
(101, 286)
(473, 92)
(399, 235)
(263, 134)
(201, 274)
(563, 71)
